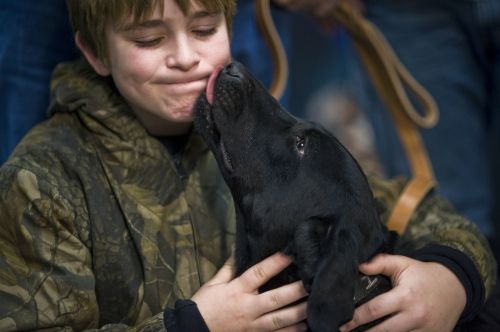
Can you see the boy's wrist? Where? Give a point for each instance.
(184, 317)
(463, 268)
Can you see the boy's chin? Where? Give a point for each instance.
(184, 117)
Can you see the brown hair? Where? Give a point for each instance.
(91, 17)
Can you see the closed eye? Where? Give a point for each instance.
(300, 145)
(149, 42)
(205, 32)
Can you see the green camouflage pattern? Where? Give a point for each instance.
(436, 222)
(98, 226)
(101, 229)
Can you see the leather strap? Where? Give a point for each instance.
(278, 55)
(392, 81)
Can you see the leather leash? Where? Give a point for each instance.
(278, 55)
(392, 81)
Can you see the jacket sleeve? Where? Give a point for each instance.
(46, 277)
(435, 222)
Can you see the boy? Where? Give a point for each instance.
(114, 209)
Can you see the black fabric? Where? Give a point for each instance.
(465, 270)
(175, 146)
(184, 318)
(488, 319)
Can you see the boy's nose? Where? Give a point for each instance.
(183, 56)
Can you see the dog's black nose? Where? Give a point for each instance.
(235, 70)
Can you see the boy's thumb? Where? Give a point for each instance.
(388, 265)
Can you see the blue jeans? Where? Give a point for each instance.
(34, 37)
(442, 44)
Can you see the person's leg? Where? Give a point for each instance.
(434, 45)
(494, 44)
(34, 37)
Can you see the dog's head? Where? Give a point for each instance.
(292, 182)
(266, 154)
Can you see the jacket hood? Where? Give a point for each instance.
(75, 87)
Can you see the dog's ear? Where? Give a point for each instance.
(330, 302)
(325, 251)
(309, 239)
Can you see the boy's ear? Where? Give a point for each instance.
(99, 65)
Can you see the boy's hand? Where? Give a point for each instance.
(425, 297)
(228, 304)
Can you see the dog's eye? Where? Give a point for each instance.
(300, 145)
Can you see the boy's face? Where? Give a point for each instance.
(161, 65)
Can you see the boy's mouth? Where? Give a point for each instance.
(211, 84)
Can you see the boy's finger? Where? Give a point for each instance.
(225, 274)
(279, 320)
(388, 265)
(261, 272)
(281, 296)
(378, 307)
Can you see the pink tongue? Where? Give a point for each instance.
(211, 84)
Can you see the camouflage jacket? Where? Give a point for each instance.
(101, 230)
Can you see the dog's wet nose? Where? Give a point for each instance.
(234, 70)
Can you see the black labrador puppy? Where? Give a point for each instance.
(297, 190)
